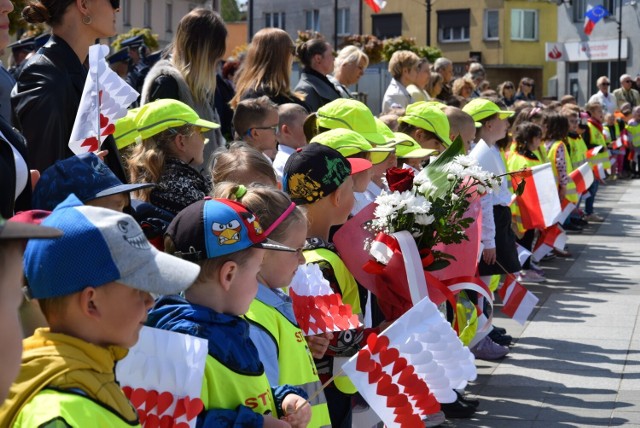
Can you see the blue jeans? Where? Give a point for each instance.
(588, 203)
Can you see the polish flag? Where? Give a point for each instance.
(539, 203)
(104, 100)
(518, 302)
(567, 209)
(523, 253)
(376, 5)
(550, 238)
(597, 163)
(582, 177)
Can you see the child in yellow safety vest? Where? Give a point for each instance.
(633, 127)
(229, 243)
(283, 350)
(593, 138)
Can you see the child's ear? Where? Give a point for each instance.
(227, 273)
(89, 303)
(179, 142)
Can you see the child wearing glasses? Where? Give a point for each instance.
(256, 123)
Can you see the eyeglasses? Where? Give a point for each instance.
(604, 84)
(627, 81)
(274, 128)
(508, 87)
(115, 4)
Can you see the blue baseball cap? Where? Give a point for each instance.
(216, 227)
(85, 175)
(100, 246)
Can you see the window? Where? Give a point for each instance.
(125, 7)
(274, 19)
(491, 24)
(580, 7)
(168, 18)
(312, 19)
(147, 14)
(453, 25)
(524, 24)
(386, 25)
(344, 15)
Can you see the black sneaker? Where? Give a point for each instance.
(457, 410)
(468, 401)
(500, 339)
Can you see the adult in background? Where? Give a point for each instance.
(625, 93)
(189, 76)
(417, 89)
(507, 93)
(348, 68)
(47, 94)
(444, 67)
(403, 67)
(603, 96)
(266, 70)
(316, 56)
(525, 90)
(434, 87)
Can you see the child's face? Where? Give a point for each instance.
(497, 128)
(244, 286)
(278, 267)
(535, 143)
(115, 202)
(597, 114)
(346, 201)
(10, 299)
(468, 135)
(414, 162)
(122, 313)
(361, 180)
(293, 134)
(194, 147)
(265, 134)
(610, 119)
(574, 121)
(636, 115)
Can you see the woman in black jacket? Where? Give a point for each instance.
(316, 55)
(47, 94)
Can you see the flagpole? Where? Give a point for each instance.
(98, 98)
(315, 394)
(620, 40)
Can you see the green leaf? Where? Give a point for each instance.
(437, 265)
(435, 171)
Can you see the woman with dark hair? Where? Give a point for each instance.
(266, 70)
(189, 76)
(507, 93)
(47, 94)
(316, 56)
(525, 90)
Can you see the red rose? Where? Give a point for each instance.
(400, 179)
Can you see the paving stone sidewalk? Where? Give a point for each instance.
(576, 362)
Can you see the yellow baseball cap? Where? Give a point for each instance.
(126, 132)
(408, 148)
(428, 116)
(481, 108)
(349, 114)
(160, 115)
(349, 143)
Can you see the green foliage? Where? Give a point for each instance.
(370, 44)
(16, 22)
(403, 43)
(150, 39)
(306, 35)
(230, 11)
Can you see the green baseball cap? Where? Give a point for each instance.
(408, 148)
(428, 116)
(160, 115)
(126, 132)
(386, 132)
(349, 114)
(349, 143)
(481, 108)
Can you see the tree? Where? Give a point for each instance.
(230, 11)
(16, 22)
(150, 39)
(409, 44)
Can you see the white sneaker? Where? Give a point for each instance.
(530, 276)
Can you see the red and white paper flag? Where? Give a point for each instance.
(582, 177)
(523, 253)
(567, 209)
(162, 377)
(104, 100)
(518, 302)
(539, 203)
(376, 5)
(597, 161)
(550, 238)
(317, 308)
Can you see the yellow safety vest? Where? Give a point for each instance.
(634, 132)
(571, 194)
(295, 361)
(597, 138)
(76, 410)
(348, 290)
(224, 388)
(578, 150)
(517, 162)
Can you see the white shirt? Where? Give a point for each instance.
(22, 171)
(608, 101)
(365, 198)
(281, 159)
(396, 95)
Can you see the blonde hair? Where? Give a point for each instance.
(199, 44)
(147, 159)
(267, 65)
(350, 55)
(267, 203)
(460, 83)
(239, 163)
(401, 60)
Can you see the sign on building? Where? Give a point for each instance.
(596, 50)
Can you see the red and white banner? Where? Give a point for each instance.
(539, 203)
(550, 238)
(518, 302)
(567, 209)
(104, 100)
(582, 177)
(376, 5)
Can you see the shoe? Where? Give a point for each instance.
(579, 221)
(488, 350)
(500, 330)
(561, 253)
(530, 276)
(594, 217)
(535, 268)
(457, 410)
(571, 227)
(434, 419)
(500, 339)
(468, 401)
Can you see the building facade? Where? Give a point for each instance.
(582, 59)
